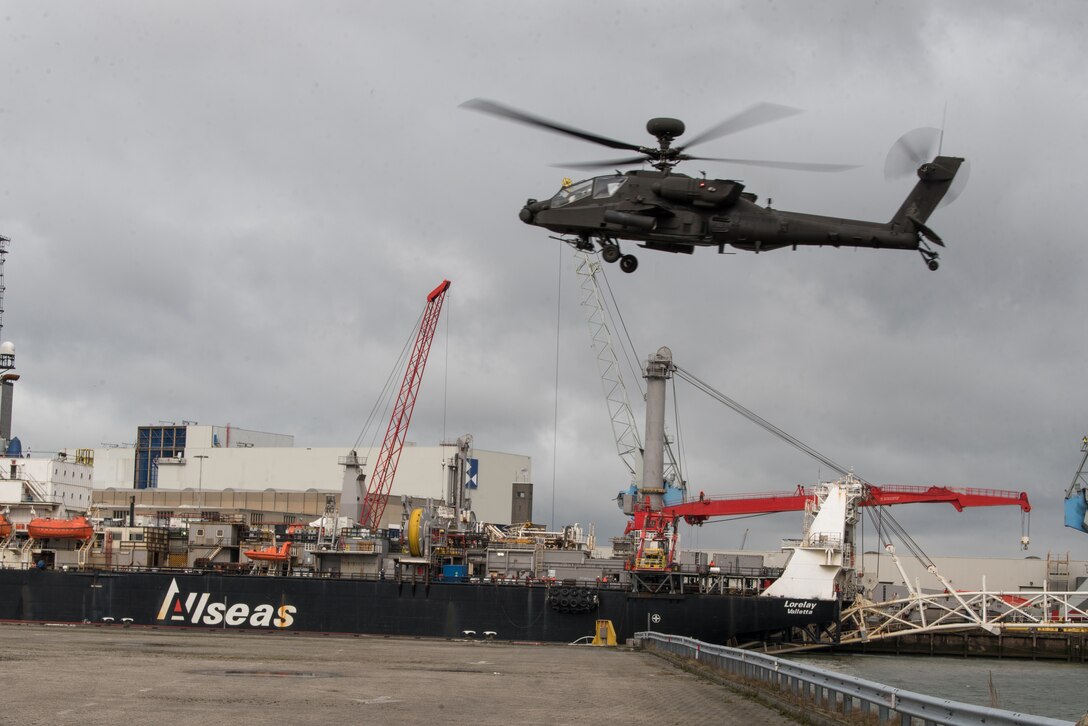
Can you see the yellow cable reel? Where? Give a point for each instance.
(415, 532)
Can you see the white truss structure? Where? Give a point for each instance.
(995, 612)
(624, 427)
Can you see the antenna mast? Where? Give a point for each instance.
(7, 375)
(7, 357)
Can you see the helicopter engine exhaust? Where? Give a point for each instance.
(638, 221)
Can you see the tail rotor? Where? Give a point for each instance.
(918, 147)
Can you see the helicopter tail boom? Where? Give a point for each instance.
(934, 180)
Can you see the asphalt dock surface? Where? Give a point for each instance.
(115, 675)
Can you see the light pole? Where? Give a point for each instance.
(200, 482)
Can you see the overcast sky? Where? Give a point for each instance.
(233, 212)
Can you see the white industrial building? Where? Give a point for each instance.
(56, 487)
(200, 458)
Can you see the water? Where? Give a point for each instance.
(1040, 688)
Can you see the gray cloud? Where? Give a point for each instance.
(234, 212)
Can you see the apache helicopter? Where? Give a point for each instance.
(663, 210)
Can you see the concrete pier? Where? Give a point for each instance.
(116, 675)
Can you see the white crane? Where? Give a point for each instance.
(624, 425)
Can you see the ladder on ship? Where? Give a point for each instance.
(26, 553)
(83, 552)
(538, 560)
(215, 552)
(33, 489)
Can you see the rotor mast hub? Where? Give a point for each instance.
(665, 130)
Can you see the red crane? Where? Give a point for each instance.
(699, 510)
(657, 531)
(385, 468)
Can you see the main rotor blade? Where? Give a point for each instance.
(757, 115)
(792, 165)
(497, 109)
(603, 164)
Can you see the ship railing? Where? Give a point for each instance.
(834, 692)
(240, 568)
(521, 546)
(583, 580)
(823, 539)
(351, 459)
(752, 583)
(720, 571)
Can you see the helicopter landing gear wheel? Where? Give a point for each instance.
(610, 252)
(628, 263)
(930, 258)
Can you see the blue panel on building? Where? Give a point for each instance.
(472, 480)
(152, 443)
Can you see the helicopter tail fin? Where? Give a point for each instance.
(934, 179)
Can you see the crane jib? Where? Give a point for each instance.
(381, 482)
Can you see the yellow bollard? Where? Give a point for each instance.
(605, 634)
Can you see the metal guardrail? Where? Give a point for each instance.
(837, 691)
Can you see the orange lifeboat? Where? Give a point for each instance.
(271, 554)
(5, 526)
(46, 528)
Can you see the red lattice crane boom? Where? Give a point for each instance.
(700, 510)
(386, 467)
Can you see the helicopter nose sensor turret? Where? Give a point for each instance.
(528, 212)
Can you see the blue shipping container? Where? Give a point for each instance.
(456, 573)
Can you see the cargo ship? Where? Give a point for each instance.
(430, 580)
(433, 578)
(534, 611)
(442, 574)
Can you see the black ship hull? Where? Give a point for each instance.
(533, 612)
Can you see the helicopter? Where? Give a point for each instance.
(660, 209)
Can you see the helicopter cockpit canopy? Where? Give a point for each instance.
(601, 187)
